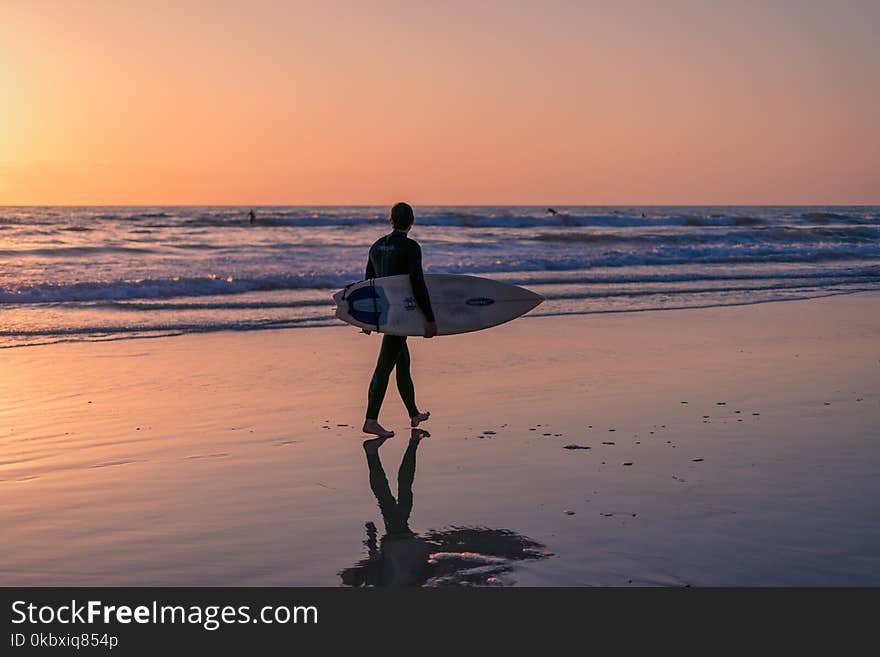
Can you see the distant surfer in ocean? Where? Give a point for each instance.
(252, 217)
(391, 255)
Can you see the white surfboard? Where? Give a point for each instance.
(461, 304)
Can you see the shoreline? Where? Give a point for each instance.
(334, 323)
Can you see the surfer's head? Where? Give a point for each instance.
(402, 217)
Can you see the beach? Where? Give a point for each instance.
(700, 447)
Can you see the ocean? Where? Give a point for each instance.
(106, 273)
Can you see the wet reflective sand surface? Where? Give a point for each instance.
(717, 446)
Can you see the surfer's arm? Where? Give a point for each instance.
(417, 278)
(371, 272)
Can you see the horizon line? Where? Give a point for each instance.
(448, 205)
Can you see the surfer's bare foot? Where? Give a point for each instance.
(421, 417)
(417, 434)
(373, 427)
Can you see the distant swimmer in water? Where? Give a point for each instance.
(552, 211)
(252, 217)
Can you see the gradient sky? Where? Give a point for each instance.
(452, 103)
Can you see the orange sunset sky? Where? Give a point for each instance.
(661, 102)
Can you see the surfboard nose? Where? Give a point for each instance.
(530, 300)
(533, 296)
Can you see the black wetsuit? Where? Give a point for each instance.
(389, 256)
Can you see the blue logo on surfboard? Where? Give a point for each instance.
(480, 301)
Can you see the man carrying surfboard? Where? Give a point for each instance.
(391, 255)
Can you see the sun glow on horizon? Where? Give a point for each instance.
(351, 103)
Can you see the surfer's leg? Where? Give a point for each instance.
(388, 354)
(407, 389)
(404, 381)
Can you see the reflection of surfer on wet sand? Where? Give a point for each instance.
(455, 556)
(402, 558)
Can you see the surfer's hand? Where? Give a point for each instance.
(430, 329)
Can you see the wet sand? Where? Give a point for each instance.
(725, 446)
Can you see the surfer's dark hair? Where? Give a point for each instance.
(402, 216)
